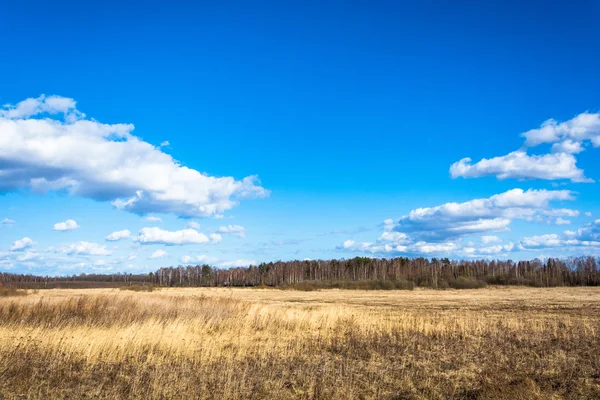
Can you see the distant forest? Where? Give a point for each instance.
(355, 273)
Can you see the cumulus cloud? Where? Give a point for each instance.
(235, 230)
(83, 248)
(561, 221)
(7, 221)
(440, 229)
(484, 251)
(67, 225)
(585, 126)
(197, 259)
(567, 139)
(237, 263)
(588, 214)
(520, 165)
(69, 259)
(193, 225)
(119, 235)
(541, 241)
(417, 248)
(105, 162)
(495, 213)
(490, 239)
(159, 254)
(184, 236)
(567, 146)
(152, 218)
(586, 236)
(41, 105)
(22, 244)
(589, 232)
(561, 212)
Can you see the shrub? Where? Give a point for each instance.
(465, 283)
(138, 288)
(402, 284)
(308, 286)
(443, 284)
(9, 292)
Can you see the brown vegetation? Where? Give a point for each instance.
(10, 291)
(261, 343)
(139, 288)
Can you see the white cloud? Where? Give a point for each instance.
(197, 259)
(41, 105)
(486, 251)
(348, 244)
(440, 229)
(69, 259)
(476, 216)
(588, 214)
(165, 143)
(567, 146)
(561, 221)
(67, 225)
(561, 212)
(22, 244)
(585, 126)
(113, 237)
(105, 162)
(159, 254)
(132, 257)
(237, 263)
(567, 139)
(83, 248)
(193, 225)
(541, 241)
(490, 239)
(587, 236)
(424, 247)
(186, 259)
(235, 230)
(7, 221)
(152, 218)
(184, 236)
(589, 232)
(29, 256)
(520, 165)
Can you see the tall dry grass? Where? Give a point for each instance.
(11, 292)
(238, 344)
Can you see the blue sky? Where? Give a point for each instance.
(353, 117)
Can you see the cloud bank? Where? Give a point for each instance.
(46, 144)
(440, 229)
(119, 235)
(171, 238)
(567, 138)
(67, 225)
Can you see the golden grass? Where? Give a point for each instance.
(11, 292)
(261, 343)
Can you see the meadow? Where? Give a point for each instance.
(204, 343)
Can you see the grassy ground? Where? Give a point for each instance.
(495, 343)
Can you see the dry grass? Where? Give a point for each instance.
(11, 292)
(250, 343)
(139, 288)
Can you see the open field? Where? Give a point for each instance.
(252, 343)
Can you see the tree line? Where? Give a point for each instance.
(434, 273)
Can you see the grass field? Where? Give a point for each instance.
(495, 343)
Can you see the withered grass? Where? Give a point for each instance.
(495, 343)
